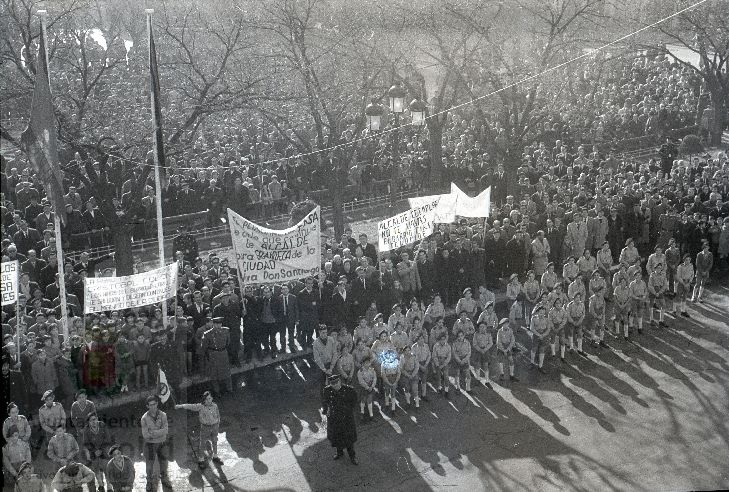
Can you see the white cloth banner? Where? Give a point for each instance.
(478, 206)
(10, 274)
(142, 289)
(265, 256)
(406, 228)
(456, 203)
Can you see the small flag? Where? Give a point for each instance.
(39, 138)
(163, 389)
(159, 147)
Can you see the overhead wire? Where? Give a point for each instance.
(378, 135)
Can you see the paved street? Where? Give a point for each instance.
(649, 415)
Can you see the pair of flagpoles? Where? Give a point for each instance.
(158, 150)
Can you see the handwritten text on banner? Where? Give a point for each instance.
(267, 255)
(142, 289)
(407, 227)
(10, 282)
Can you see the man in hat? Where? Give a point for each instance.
(72, 477)
(155, 432)
(339, 403)
(230, 310)
(215, 347)
(186, 243)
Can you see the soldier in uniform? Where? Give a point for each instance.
(639, 299)
(657, 287)
(704, 263)
(540, 329)
(441, 360)
(629, 254)
(621, 297)
(684, 277)
(596, 308)
(421, 351)
(505, 341)
(483, 343)
(409, 367)
(339, 404)
(462, 361)
(185, 243)
(673, 258)
(215, 347)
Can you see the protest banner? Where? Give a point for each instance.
(406, 228)
(478, 206)
(456, 203)
(142, 289)
(265, 255)
(10, 274)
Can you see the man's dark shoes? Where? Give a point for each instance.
(514, 379)
(336, 457)
(354, 461)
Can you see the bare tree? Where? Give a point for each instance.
(704, 32)
(331, 73)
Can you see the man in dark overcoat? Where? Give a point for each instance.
(339, 405)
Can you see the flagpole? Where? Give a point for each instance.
(17, 308)
(157, 185)
(56, 216)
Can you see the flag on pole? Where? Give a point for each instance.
(39, 138)
(163, 388)
(159, 148)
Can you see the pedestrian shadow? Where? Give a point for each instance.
(530, 398)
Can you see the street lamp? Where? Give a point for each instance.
(374, 112)
(417, 112)
(397, 98)
(397, 107)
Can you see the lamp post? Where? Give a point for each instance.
(397, 106)
(417, 114)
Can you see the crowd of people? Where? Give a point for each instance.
(587, 247)
(257, 171)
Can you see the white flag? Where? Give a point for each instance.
(163, 389)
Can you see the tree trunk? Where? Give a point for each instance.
(435, 131)
(123, 258)
(339, 181)
(716, 128)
